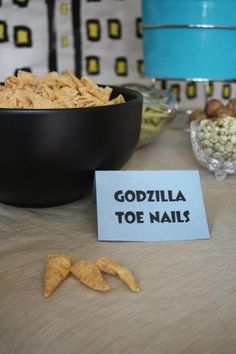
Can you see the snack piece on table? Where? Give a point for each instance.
(58, 268)
(212, 106)
(112, 267)
(89, 274)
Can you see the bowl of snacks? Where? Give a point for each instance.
(214, 144)
(159, 109)
(55, 131)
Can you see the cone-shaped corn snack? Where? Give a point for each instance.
(58, 267)
(89, 274)
(110, 266)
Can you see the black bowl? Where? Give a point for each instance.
(48, 156)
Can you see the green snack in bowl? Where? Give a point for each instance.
(158, 109)
(154, 119)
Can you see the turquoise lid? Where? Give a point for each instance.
(190, 39)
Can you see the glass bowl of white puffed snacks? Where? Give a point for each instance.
(214, 144)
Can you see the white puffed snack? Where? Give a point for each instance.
(218, 137)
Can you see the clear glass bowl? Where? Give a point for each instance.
(220, 167)
(159, 109)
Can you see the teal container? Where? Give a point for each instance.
(189, 39)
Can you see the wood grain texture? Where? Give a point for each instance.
(188, 300)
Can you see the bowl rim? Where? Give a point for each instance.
(138, 98)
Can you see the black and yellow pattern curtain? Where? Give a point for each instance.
(98, 38)
(91, 38)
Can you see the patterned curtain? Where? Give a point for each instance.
(98, 38)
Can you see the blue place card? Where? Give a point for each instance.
(150, 206)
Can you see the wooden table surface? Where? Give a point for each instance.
(188, 300)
